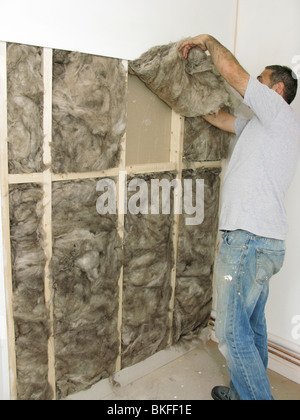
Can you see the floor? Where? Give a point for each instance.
(191, 377)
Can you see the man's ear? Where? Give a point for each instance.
(279, 88)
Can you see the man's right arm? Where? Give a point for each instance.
(222, 120)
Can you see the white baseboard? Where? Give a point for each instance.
(284, 368)
(284, 358)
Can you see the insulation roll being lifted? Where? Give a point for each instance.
(191, 87)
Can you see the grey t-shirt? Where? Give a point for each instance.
(262, 165)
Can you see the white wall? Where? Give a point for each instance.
(269, 33)
(116, 28)
(4, 371)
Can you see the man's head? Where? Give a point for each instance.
(281, 79)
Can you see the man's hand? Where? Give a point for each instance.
(223, 59)
(198, 41)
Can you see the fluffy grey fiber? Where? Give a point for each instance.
(87, 259)
(147, 282)
(204, 142)
(25, 108)
(89, 111)
(30, 314)
(196, 252)
(191, 87)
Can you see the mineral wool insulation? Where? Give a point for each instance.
(203, 142)
(86, 265)
(196, 252)
(32, 327)
(25, 91)
(148, 262)
(192, 88)
(89, 112)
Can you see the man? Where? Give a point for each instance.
(253, 217)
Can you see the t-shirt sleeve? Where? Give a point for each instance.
(239, 125)
(263, 101)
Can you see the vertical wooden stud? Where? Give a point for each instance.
(47, 205)
(121, 194)
(176, 155)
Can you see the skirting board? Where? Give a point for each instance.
(284, 358)
(283, 367)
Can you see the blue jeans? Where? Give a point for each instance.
(245, 266)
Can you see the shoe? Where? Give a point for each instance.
(221, 393)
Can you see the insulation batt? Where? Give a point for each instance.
(89, 112)
(87, 259)
(204, 142)
(32, 326)
(196, 252)
(191, 87)
(25, 108)
(147, 282)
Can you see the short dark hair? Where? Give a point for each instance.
(288, 77)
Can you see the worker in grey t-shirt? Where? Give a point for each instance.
(253, 216)
(262, 166)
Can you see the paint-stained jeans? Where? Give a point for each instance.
(245, 266)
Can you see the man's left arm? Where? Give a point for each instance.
(224, 60)
(223, 120)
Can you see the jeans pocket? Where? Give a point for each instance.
(236, 239)
(268, 263)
